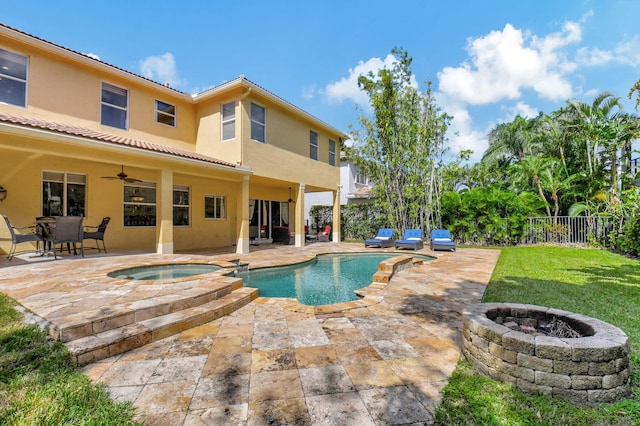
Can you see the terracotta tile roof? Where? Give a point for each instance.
(83, 132)
(365, 191)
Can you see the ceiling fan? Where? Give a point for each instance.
(122, 176)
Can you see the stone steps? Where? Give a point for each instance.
(87, 323)
(121, 330)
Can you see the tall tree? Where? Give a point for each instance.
(401, 145)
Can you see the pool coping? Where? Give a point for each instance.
(369, 295)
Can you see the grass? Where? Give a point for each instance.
(592, 282)
(40, 386)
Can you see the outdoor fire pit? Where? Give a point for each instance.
(545, 350)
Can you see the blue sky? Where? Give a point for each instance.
(488, 60)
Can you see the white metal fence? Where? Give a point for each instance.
(568, 230)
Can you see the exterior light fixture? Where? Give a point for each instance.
(290, 199)
(3, 194)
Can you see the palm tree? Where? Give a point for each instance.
(513, 141)
(587, 128)
(635, 88)
(530, 169)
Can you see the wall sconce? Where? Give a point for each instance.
(290, 199)
(137, 197)
(3, 194)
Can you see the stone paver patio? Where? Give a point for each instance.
(270, 362)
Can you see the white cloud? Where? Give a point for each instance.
(503, 63)
(628, 52)
(161, 68)
(309, 91)
(93, 55)
(347, 87)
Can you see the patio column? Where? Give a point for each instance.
(242, 245)
(164, 213)
(336, 228)
(299, 216)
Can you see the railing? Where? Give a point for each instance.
(568, 230)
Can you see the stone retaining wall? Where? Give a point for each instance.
(590, 369)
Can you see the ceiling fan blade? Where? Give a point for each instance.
(132, 180)
(110, 177)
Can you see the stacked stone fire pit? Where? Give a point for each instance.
(519, 344)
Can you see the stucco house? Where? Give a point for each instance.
(228, 166)
(355, 188)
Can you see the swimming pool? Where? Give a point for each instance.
(163, 272)
(327, 279)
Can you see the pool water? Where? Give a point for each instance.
(330, 278)
(163, 272)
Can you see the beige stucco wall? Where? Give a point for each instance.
(67, 91)
(209, 128)
(285, 154)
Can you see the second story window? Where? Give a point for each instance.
(313, 145)
(229, 121)
(258, 123)
(361, 177)
(115, 101)
(165, 113)
(13, 78)
(332, 152)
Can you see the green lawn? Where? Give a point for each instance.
(592, 282)
(39, 386)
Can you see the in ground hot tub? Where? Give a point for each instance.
(164, 271)
(518, 344)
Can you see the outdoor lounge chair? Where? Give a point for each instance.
(20, 236)
(324, 235)
(412, 239)
(441, 240)
(97, 233)
(382, 240)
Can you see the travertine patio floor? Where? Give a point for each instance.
(268, 363)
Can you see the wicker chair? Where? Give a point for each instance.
(97, 233)
(21, 237)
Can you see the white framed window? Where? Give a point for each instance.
(361, 177)
(13, 78)
(165, 113)
(313, 145)
(229, 121)
(215, 207)
(114, 106)
(332, 152)
(258, 123)
(181, 205)
(139, 204)
(63, 194)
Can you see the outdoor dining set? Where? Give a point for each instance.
(57, 231)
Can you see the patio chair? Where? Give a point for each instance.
(324, 234)
(67, 229)
(21, 237)
(412, 239)
(97, 233)
(441, 240)
(383, 239)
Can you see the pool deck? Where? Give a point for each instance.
(270, 362)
